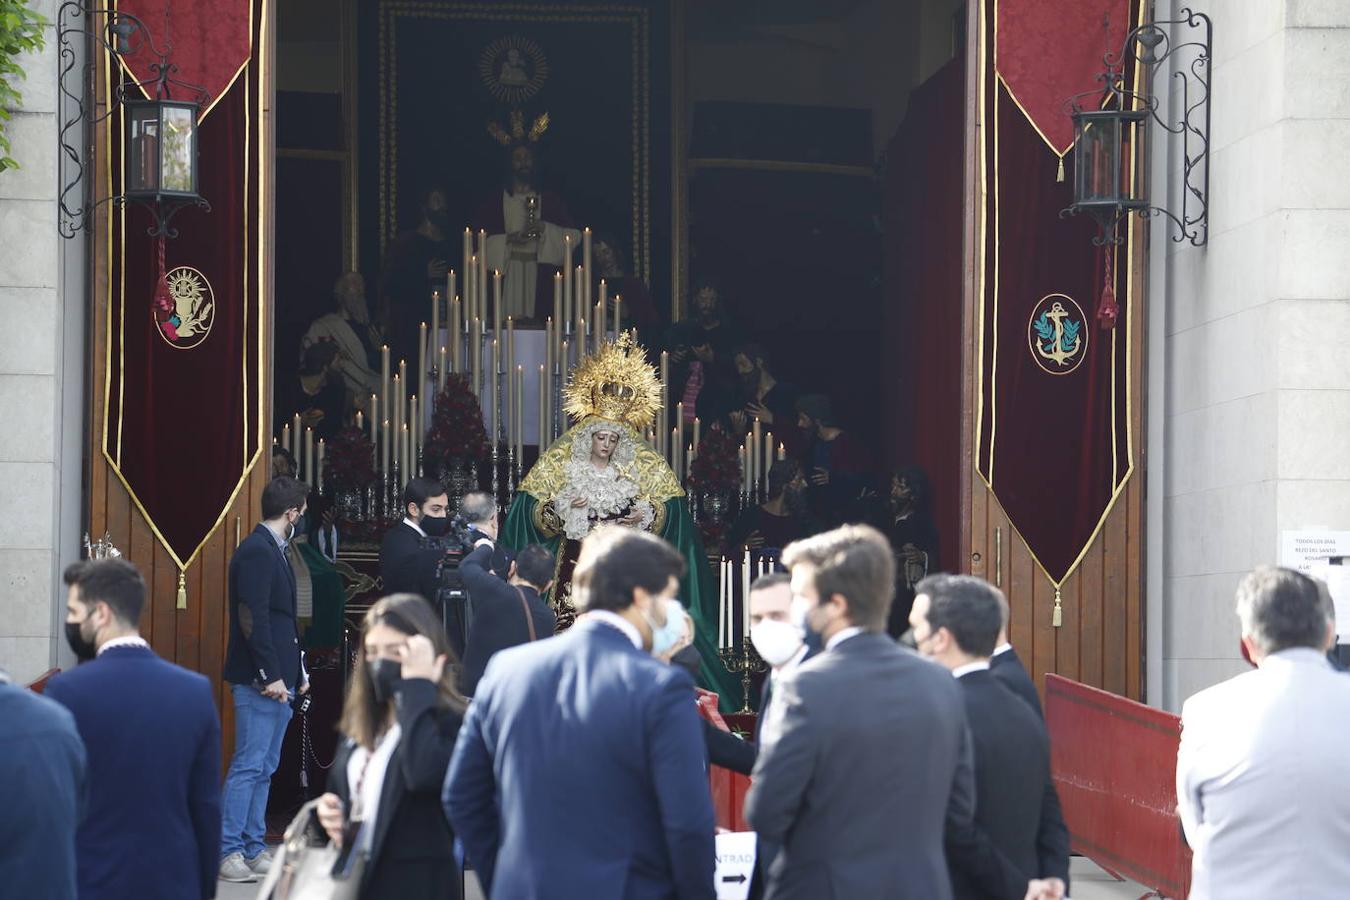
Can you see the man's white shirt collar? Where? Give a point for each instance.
(977, 666)
(131, 640)
(1002, 649)
(844, 635)
(414, 526)
(614, 620)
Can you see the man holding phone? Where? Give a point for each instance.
(265, 672)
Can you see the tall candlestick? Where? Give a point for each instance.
(722, 603)
(557, 297)
(495, 434)
(454, 338)
(384, 450)
(756, 442)
(374, 422)
(565, 321)
(286, 438)
(476, 358)
(309, 456)
(451, 282)
(520, 413)
(482, 274)
(597, 324)
(543, 410)
(688, 460)
(586, 264)
(581, 341)
(665, 387)
(395, 413)
(673, 455)
(601, 316)
(679, 429)
(414, 432)
(318, 466)
(510, 341)
(745, 596)
(441, 370)
(698, 435)
(401, 388)
(384, 378)
(419, 383)
(467, 261)
(436, 322)
(497, 304)
(405, 461)
(745, 471)
(618, 313)
(768, 456)
(579, 303)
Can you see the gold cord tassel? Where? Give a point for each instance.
(182, 589)
(1057, 617)
(1059, 173)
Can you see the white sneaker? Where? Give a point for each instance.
(233, 868)
(260, 863)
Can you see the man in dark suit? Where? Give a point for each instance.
(407, 564)
(1052, 839)
(827, 788)
(265, 671)
(956, 621)
(579, 770)
(42, 778)
(151, 829)
(478, 509)
(500, 607)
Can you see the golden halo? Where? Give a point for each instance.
(616, 383)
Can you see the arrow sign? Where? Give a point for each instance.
(738, 879)
(735, 864)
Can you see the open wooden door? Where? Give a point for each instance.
(1052, 448)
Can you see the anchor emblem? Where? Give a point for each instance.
(1055, 334)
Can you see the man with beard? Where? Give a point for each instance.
(700, 354)
(781, 519)
(415, 264)
(762, 396)
(348, 328)
(526, 228)
(837, 464)
(638, 307)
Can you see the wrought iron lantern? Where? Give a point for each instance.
(1110, 121)
(160, 144)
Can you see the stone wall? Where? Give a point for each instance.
(41, 374)
(1249, 408)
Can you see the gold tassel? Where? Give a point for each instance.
(182, 589)
(1059, 173)
(1057, 617)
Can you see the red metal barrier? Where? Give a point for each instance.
(40, 684)
(1114, 763)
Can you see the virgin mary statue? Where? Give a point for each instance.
(602, 470)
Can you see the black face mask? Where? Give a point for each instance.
(85, 650)
(688, 659)
(385, 675)
(435, 526)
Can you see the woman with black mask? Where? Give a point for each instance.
(400, 721)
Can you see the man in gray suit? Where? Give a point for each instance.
(865, 758)
(1263, 779)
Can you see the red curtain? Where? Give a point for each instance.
(183, 412)
(923, 283)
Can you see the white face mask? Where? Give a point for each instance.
(776, 642)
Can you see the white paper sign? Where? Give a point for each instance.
(1302, 550)
(735, 864)
(1337, 580)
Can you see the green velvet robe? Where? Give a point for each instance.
(698, 590)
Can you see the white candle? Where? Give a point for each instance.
(768, 457)
(579, 303)
(384, 379)
(482, 275)
(441, 372)
(286, 438)
(565, 322)
(557, 300)
(520, 413)
(497, 304)
(782, 452)
(454, 338)
(598, 325)
(665, 389)
(745, 596)
(468, 262)
(600, 316)
(618, 314)
(543, 409)
(318, 468)
(384, 451)
(414, 430)
(476, 359)
(586, 265)
(673, 450)
(360, 421)
(419, 382)
(375, 422)
(494, 434)
(471, 289)
(309, 456)
(757, 442)
(679, 427)
(406, 459)
(722, 603)
(451, 282)
(698, 436)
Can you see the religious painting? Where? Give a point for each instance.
(457, 89)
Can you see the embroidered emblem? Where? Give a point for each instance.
(186, 320)
(513, 69)
(1056, 336)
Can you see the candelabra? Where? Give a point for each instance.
(496, 461)
(743, 661)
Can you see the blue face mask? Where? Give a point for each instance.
(668, 635)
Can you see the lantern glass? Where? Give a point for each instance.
(1097, 154)
(161, 149)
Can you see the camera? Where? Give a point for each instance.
(449, 595)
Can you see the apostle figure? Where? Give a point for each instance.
(636, 306)
(349, 329)
(601, 470)
(526, 226)
(415, 264)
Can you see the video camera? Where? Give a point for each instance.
(450, 597)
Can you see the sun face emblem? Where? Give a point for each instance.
(186, 319)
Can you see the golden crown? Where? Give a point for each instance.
(615, 383)
(516, 132)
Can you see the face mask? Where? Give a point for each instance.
(668, 635)
(385, 674)
(301, 527)
(435, 526)
(810, 637)
(689, 660)
(83, 648)
(776, 642)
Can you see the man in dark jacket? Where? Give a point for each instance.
(956, 622)
(152, 826)
(42, 778)
(505, 613)
(265, 672)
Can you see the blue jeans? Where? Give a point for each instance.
(259, 726)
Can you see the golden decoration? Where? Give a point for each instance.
(656, 482)
(193, 309)
(513, 69)
(616, 384)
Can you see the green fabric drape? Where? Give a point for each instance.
(698, 590)
(330, 599)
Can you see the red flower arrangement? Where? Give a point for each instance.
(457, 430)
(717, 468)
(350, 463)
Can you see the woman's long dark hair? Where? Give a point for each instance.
(362, 716)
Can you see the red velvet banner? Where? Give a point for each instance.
(1053, 410)
(183, 414)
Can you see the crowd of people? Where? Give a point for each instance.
(577, 765)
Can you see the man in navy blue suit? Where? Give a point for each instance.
(151, 829)
(579, 770)
(265, 671)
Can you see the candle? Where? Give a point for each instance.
(360, 421)
(451, 282)
(436, 321)
(782, 452)
(679, 427)
(471, 288)
(495, 433)
(482, 274)
(688, 460)
(757, 437)
(384, 378)
(581, 341)
(384, 451)
(441, 371)
(395, 407)
(579, 303)
(419, 383)
(618, 314)
(543, 409)
(673, 450)
(557, 297)
(565, 322)
(722, 603)
(475, 360)
(309, 456)
(405, 460)
(414, 429)
(374, 423)
(467, 259)
(768, 456)
(602, 309)
(598, 326)
(520, 413)
(454, 338)
(510, 341)
(286, 438)
(497, 304)
(586, 265)
(698, 435)
(401, 389)
(745, 596)
(318, 468)
(745, 470)
(665, 384)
